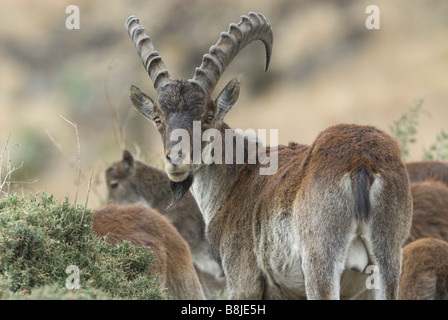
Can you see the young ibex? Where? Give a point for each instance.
(148, 228)
(310, 229)
(131, 181)
(428, 170)
(430, 203)
(425, 270)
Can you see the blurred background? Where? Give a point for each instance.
(327, 68)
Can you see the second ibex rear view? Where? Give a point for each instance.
(311, 229)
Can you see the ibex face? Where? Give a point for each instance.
(120, 182)
(181, 103)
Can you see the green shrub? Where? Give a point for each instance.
(405, 128)
(439, 149)
(39, 239)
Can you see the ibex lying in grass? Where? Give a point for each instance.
(131, 181)
(148, 228)
(310, 229)
(430, 218)
(428, 170)
(425, 270)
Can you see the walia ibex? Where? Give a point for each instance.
(425, 270)
(148, 228)
(309, 228)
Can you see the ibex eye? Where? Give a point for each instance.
(113, 185)
(157, 121)
(209, 119)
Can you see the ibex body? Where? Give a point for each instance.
(148, 228)
(425, 270)
(310, 229)
(430, 215)
(131, 181)
(428, 170)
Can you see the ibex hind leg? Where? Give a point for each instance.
(386, 234)
(385, 252)
(322, 279)
(323, 262)
(385, 274)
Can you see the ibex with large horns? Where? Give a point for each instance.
(307, 231)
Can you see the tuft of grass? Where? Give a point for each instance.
(405, 128)
(40, 237)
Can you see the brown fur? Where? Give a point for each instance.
(430, 219)
(428, 170)
(132, 181)
(147, 228)
(425, 270)
(304, 172)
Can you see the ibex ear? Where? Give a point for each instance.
(142, 102)
(227, 98)
(128, 161)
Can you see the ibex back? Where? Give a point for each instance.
(428, 170)
(148, 228)
(307, 231)
(430, 214)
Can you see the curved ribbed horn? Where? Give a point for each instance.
(151, 59)
(250, 28)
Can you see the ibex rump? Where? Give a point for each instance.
(148, 228)
(310, 229)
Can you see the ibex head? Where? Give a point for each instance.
(180, 103)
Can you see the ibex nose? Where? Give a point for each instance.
(175, 157)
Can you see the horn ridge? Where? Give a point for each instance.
(150, 58)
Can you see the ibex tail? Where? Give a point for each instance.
(362, 180)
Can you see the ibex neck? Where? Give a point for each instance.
(212, 183)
